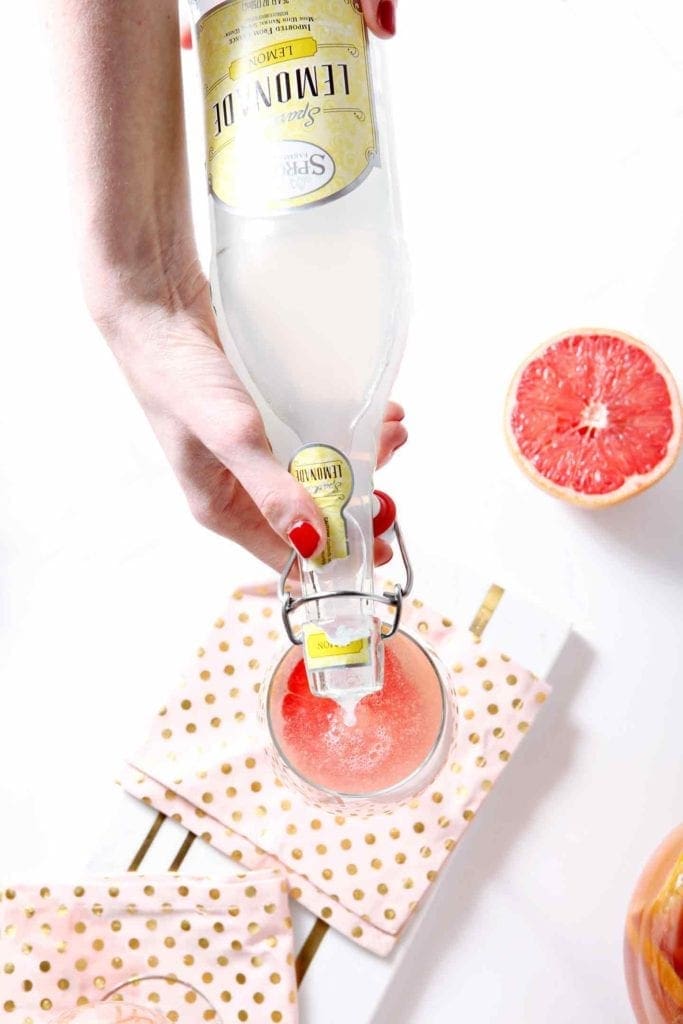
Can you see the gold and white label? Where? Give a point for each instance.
(326, 474)
(288, 101)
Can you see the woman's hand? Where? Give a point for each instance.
(210, 429)
(119, 65)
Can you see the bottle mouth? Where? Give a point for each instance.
(391, 750)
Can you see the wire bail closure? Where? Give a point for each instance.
(391, 598)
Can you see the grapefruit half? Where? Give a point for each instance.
(594, 416)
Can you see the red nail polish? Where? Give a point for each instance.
(305, 538)
(386, 515)
(386, 16)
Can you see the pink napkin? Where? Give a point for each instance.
(193, 948)
(205, 764)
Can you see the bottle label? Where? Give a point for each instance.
(288, 102)
(326, 474)
(322, 653)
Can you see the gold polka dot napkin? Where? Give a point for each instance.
(206, 765)
(195, 949)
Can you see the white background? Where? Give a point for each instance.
(541, 156)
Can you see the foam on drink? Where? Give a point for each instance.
(379, 743)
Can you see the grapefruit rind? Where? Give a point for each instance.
(635, 484)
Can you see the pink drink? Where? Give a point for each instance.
(394, 731)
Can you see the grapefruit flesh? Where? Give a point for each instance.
(594, 417)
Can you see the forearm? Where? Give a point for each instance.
(119, 65)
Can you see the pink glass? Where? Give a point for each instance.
(653, 943)
(391, 747)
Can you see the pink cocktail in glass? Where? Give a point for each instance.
(388, 747)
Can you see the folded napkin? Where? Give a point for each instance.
(195, 949)
(205, 764)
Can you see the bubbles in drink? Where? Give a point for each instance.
(366, 746)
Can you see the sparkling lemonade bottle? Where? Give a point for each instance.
(309, 279)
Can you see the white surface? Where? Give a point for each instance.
(541, 150)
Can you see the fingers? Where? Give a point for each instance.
(219, 502)
(385, 513)
(216, 498)
(289, 510)
(394, 411)
(393, 434)
(267, 506)
(392, 437)
(383, 521)
(383, 552)
(285, 505)
(380, 16)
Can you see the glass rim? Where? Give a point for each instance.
(374, 794)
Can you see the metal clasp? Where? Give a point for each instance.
(393, 599)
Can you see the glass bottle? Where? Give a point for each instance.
(309, 279)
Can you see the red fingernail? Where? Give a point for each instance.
(386, 515)
(305, 538)
(386, 16)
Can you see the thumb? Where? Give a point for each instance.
(286, 506)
